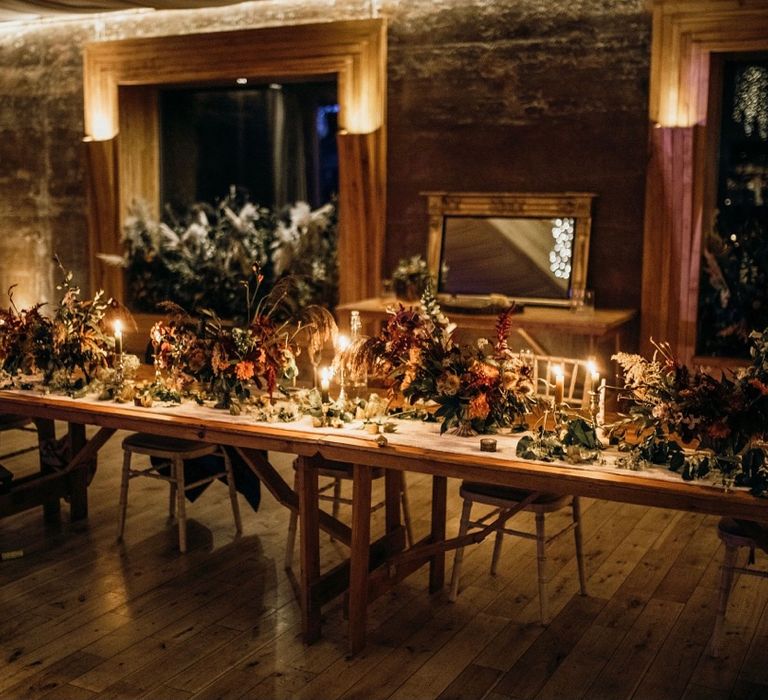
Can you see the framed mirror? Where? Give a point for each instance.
(489, 249)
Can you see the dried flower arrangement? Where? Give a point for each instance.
(411, 277)
(478, 388)
(725, 419)
(227, 360)
(67, 348)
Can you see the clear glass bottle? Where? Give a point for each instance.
(357, 381)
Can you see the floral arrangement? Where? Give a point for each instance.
(723, 419)
(478, 388)
(185, 258)
(229, 360)
(68, 348)
(411, 277)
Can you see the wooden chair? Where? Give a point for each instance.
(337, 472)
(503, 499)
(735, 534)
(576, 393)
(173, 452)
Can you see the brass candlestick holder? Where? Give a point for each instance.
(594, 408)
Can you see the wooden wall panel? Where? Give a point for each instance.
(103, 194)
(667, 244)
(361, 221)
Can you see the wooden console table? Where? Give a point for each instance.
(373, 568)
(599, 326)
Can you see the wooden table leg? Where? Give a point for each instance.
(393, 485)
(437, 562)
(359, 556)
(46, 434)
(309, 508)
(78, 478)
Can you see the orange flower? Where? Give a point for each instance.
(479, 407)
(244, 370)
(718, 430)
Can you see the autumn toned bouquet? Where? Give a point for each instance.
(485, 386)
(478, 388)
(722, 419)
(229, 361)
(68, 347)
(23, 334)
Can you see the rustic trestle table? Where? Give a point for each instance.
(372, 568)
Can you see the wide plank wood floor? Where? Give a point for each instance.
(82, 616)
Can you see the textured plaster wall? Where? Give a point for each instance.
(517, 95)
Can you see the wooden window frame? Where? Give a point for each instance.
(121, 80)
(679, 184)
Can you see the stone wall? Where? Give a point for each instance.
(515, 95)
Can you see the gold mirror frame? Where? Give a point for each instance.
(576, 205)
(121, 80)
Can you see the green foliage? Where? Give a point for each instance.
(199, 260)
(575, 441)
(725, 419)
(411, 278)
(733, 296)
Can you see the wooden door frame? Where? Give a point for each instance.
(685, 37)
(121, 126)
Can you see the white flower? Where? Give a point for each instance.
(168, 237)
(249, 212)
(195, 234)
(301, 214)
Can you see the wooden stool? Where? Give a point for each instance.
(505, 498)
(338, 471)
(735, 534)
(175, 451)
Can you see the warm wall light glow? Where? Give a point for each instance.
(101, 127)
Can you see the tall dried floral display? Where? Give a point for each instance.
(231, 360)
(67, 348)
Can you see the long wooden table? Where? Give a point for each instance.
(372, 568)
